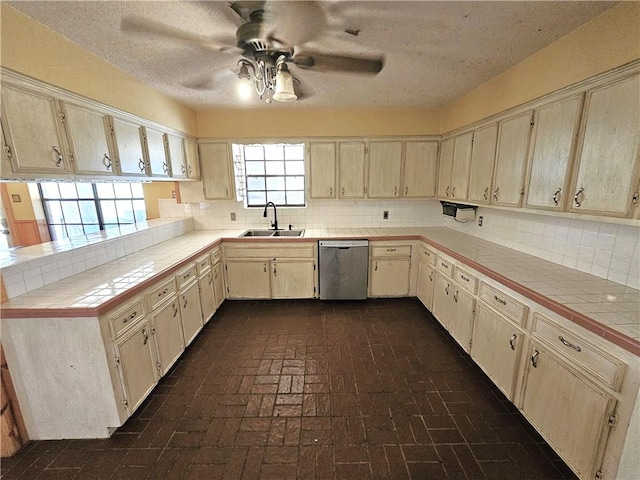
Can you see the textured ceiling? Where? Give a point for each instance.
(434, 52)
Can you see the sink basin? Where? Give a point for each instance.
(288, 233)
(257, 233)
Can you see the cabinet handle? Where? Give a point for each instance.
(59, 158)
(130, 317)
(485, 194)
(163, 292)
(446, 192)
(165, 167)
(376, 266)
(190, 170)
(431, 276)
(184, 277)
(215, 275)
(534, 358)
(444, 265)
(576, 200)
(635, 198)
(107, 161)
(512, 341)
(466, 279)
(495, 194)
(184, 170)
(275, 272)
(391, 249)
(210, 278)
(226, 192)
(556, 197)
(455, 296)
(453, 192)
(185, 301)
(175, 309)
(446, 289)
(265, 267)
(342, 192)
(395, 191)
(406, 191)
(499, 300)
(146, 336)
(330, 191)
(569, 344)
(141, 165)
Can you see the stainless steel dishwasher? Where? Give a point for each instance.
(344, 267)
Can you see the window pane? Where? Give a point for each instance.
(273, 152)
(275, 168)
(295, 168)
(54, 210)
(295, 183)
(57, 232)
(256, 198)
(108, 208)
(253, 152)
(125, 211)
(139, 210)
(75, 230)
(50, 190)
(68, 190)
(88, 212)
(123, 190)
(275, 183)
(255, 168)
(85, 190)
(71, 212)
(136, 190)
(295, 198)
(255, 183)
(277, 197)
(294, 152)
(91, 229)
(105, 190)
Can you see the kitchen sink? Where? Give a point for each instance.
(272, 233)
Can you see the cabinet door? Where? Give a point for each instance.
(607, 162)
(175, 152)
(207, 295)
(385, 165)
(496, 347)
(169, 336)
(136, 365)
(389, 277)
(426, 284)
(460, 166)
(461, 319)
(190, 312)
(571, 414)
(552, 148)
(87, 133)
(511, 159)
(191, 158)
(483, 157)
(128, 144)
(218, 284)
(351, 169)
(293, 279)
(216, 171)
(322, 170)
(420, 169)
(248, 279)
(442, 294)
(444, 169)
(155, 152)
(34, 132)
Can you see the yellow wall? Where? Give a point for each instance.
(152, 192)
(609, 40)
(34, 50)
(268, 122)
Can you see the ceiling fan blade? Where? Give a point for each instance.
(294, 23)
(337, 63)
(207, 82)
(160, 30)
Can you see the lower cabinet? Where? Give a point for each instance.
(169, 336)
(207, 295)
(389, 270)
(293, 279)
(190, 311)
(462, 316)
(442, 294)
(426, 283)
(248, 279)
(218, 284)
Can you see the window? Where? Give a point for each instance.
(75, 209)
(270, 173)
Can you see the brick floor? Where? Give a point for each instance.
(311, 389)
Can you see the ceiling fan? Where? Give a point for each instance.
(272, 35)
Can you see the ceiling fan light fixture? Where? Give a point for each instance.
(284, 91)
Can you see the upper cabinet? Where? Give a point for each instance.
(455, 159)
(420, 168)
(444, 170)
(552, 148)
(88, 137)
(33, 129)
(127, 143)
(175, 155)
(483, 157)
(322, 170)
(216, 171)
(511, 159)
(191, 158)
(605, 174)
(385, 167)
(155, 152)
(351, 169)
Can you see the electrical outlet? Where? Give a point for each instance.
(385, 215)
(480, 221)
(233, 216)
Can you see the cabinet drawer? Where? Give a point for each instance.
(428, 255)
(185, 276)
(123, 319)
(203, 264)
(391, 251)
(597, 363)
(162, 292)
(445, 266)
(502, 302)
(271, 252)
(216, 256)
(466, 279)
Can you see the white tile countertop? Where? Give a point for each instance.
(605, 307)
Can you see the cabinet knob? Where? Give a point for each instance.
(577, 199)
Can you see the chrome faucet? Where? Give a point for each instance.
(275, 214)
